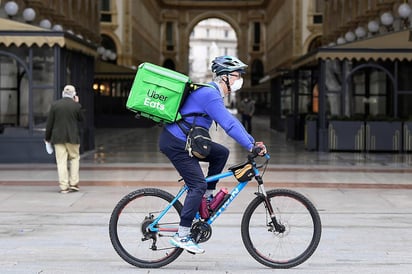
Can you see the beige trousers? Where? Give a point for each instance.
(68, 176)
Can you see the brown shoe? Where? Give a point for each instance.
(74, 188)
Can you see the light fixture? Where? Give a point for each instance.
(360, 32)
(11, 8)
(350, 36)
(387, 20)
(341, 41)
(57, 27)
(373, 26)
(100, 50)
(45, 23)
(112, 56)
(106, 54)
(404, 10)
(29, 14)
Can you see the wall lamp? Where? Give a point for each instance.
(11, 8)
(405, 11)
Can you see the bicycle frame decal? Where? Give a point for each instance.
(233, 195)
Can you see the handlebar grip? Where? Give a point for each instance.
(256, 150)
(255, 153)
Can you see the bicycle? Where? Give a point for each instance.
(280, 228)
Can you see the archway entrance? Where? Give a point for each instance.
(210, 38)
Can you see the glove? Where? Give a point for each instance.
(260, 148)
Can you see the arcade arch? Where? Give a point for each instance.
(209, 38)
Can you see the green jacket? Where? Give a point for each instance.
(63, 122)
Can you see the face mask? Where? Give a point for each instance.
(237, 85)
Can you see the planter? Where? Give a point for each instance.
(346, 135)
(311, 135)
(383, 135)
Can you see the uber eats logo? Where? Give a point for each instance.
(155, 100)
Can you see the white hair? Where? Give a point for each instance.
(217, 78)
(69, 91)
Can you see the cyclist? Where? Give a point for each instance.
(227, 77)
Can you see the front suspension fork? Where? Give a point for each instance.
(274, 222)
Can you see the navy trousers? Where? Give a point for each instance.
(191, 172)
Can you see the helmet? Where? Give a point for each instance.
(227, 64)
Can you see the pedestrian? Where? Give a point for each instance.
(207, 105)
(63, 132)
(247, 110)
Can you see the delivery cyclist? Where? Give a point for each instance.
(227, 77)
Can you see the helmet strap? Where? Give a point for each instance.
(227, 83)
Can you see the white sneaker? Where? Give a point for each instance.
(186, 243)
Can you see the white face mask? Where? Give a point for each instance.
(236, 85)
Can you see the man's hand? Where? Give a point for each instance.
(262, 147)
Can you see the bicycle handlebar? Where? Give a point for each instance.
(255, 153)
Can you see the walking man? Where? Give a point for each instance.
(62, 130)
(247, 109)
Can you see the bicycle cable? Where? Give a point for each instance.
(264, 165)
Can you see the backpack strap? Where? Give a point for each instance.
(182, 122)
(193, 87)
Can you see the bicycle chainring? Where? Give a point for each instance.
(201, 232)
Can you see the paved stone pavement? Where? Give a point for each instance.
(41, 231)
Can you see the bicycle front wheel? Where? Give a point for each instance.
(128, 228)
(297, 238)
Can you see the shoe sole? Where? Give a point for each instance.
(174, 243)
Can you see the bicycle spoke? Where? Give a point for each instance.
(281, 249)
(130, 234)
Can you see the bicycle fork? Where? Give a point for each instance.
(274, 222)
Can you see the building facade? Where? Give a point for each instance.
(42, 48)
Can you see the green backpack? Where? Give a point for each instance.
(158, 93)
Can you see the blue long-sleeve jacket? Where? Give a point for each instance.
(209, 101)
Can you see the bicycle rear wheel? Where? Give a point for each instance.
(128, 228)
(291, 247)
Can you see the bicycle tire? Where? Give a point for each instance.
(296, 244)
(127, 228)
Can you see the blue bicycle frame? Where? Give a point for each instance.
(233, 194)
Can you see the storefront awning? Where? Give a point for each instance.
(19, 34)
(106, 70)
(391, 46)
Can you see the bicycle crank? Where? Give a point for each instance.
(201, 232)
